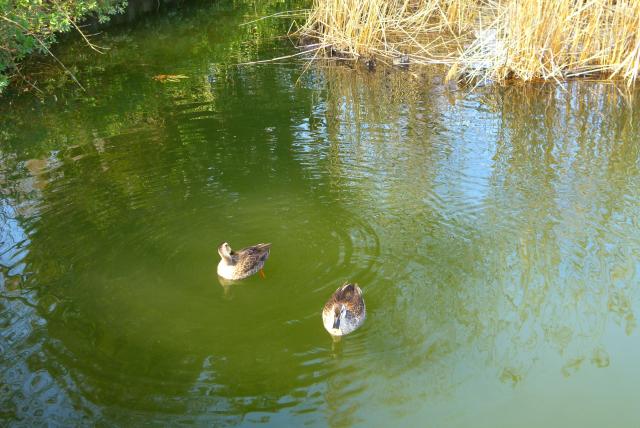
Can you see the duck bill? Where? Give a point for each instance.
(336, 323)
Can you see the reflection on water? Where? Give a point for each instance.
(494, 234)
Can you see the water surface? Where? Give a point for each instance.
(494, 232)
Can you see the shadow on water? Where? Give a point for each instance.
(494, 235)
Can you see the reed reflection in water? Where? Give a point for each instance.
(508, 223)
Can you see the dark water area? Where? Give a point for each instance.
(494, 232)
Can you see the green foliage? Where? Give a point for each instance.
(4, 81)
(28, 26)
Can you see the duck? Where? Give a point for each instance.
(243, 263)
(344, 311)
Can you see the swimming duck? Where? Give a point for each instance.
(242, 263)
(345, 310)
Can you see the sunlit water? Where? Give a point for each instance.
(494, 233)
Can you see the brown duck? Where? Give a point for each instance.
(345, 311)
(242, 263)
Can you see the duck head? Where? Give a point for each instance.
(224, 250)
(339, 313)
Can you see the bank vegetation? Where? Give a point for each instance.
(495, 40)
(32, 26)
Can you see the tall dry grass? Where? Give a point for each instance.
(428, 29)
(489, 39)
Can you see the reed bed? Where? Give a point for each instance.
(493, 40)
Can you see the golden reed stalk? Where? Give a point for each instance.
(489, 39)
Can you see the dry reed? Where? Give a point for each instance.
(489, 39)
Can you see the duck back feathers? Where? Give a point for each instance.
(242, 263)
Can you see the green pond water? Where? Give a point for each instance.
(494, 232)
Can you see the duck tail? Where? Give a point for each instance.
(349, 287)
(348, 291)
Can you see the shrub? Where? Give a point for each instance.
(28, 26)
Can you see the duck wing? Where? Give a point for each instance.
(255, 253)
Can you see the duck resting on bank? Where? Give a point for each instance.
(344, 311)
(242, 263)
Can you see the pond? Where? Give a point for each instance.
(493, 230)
